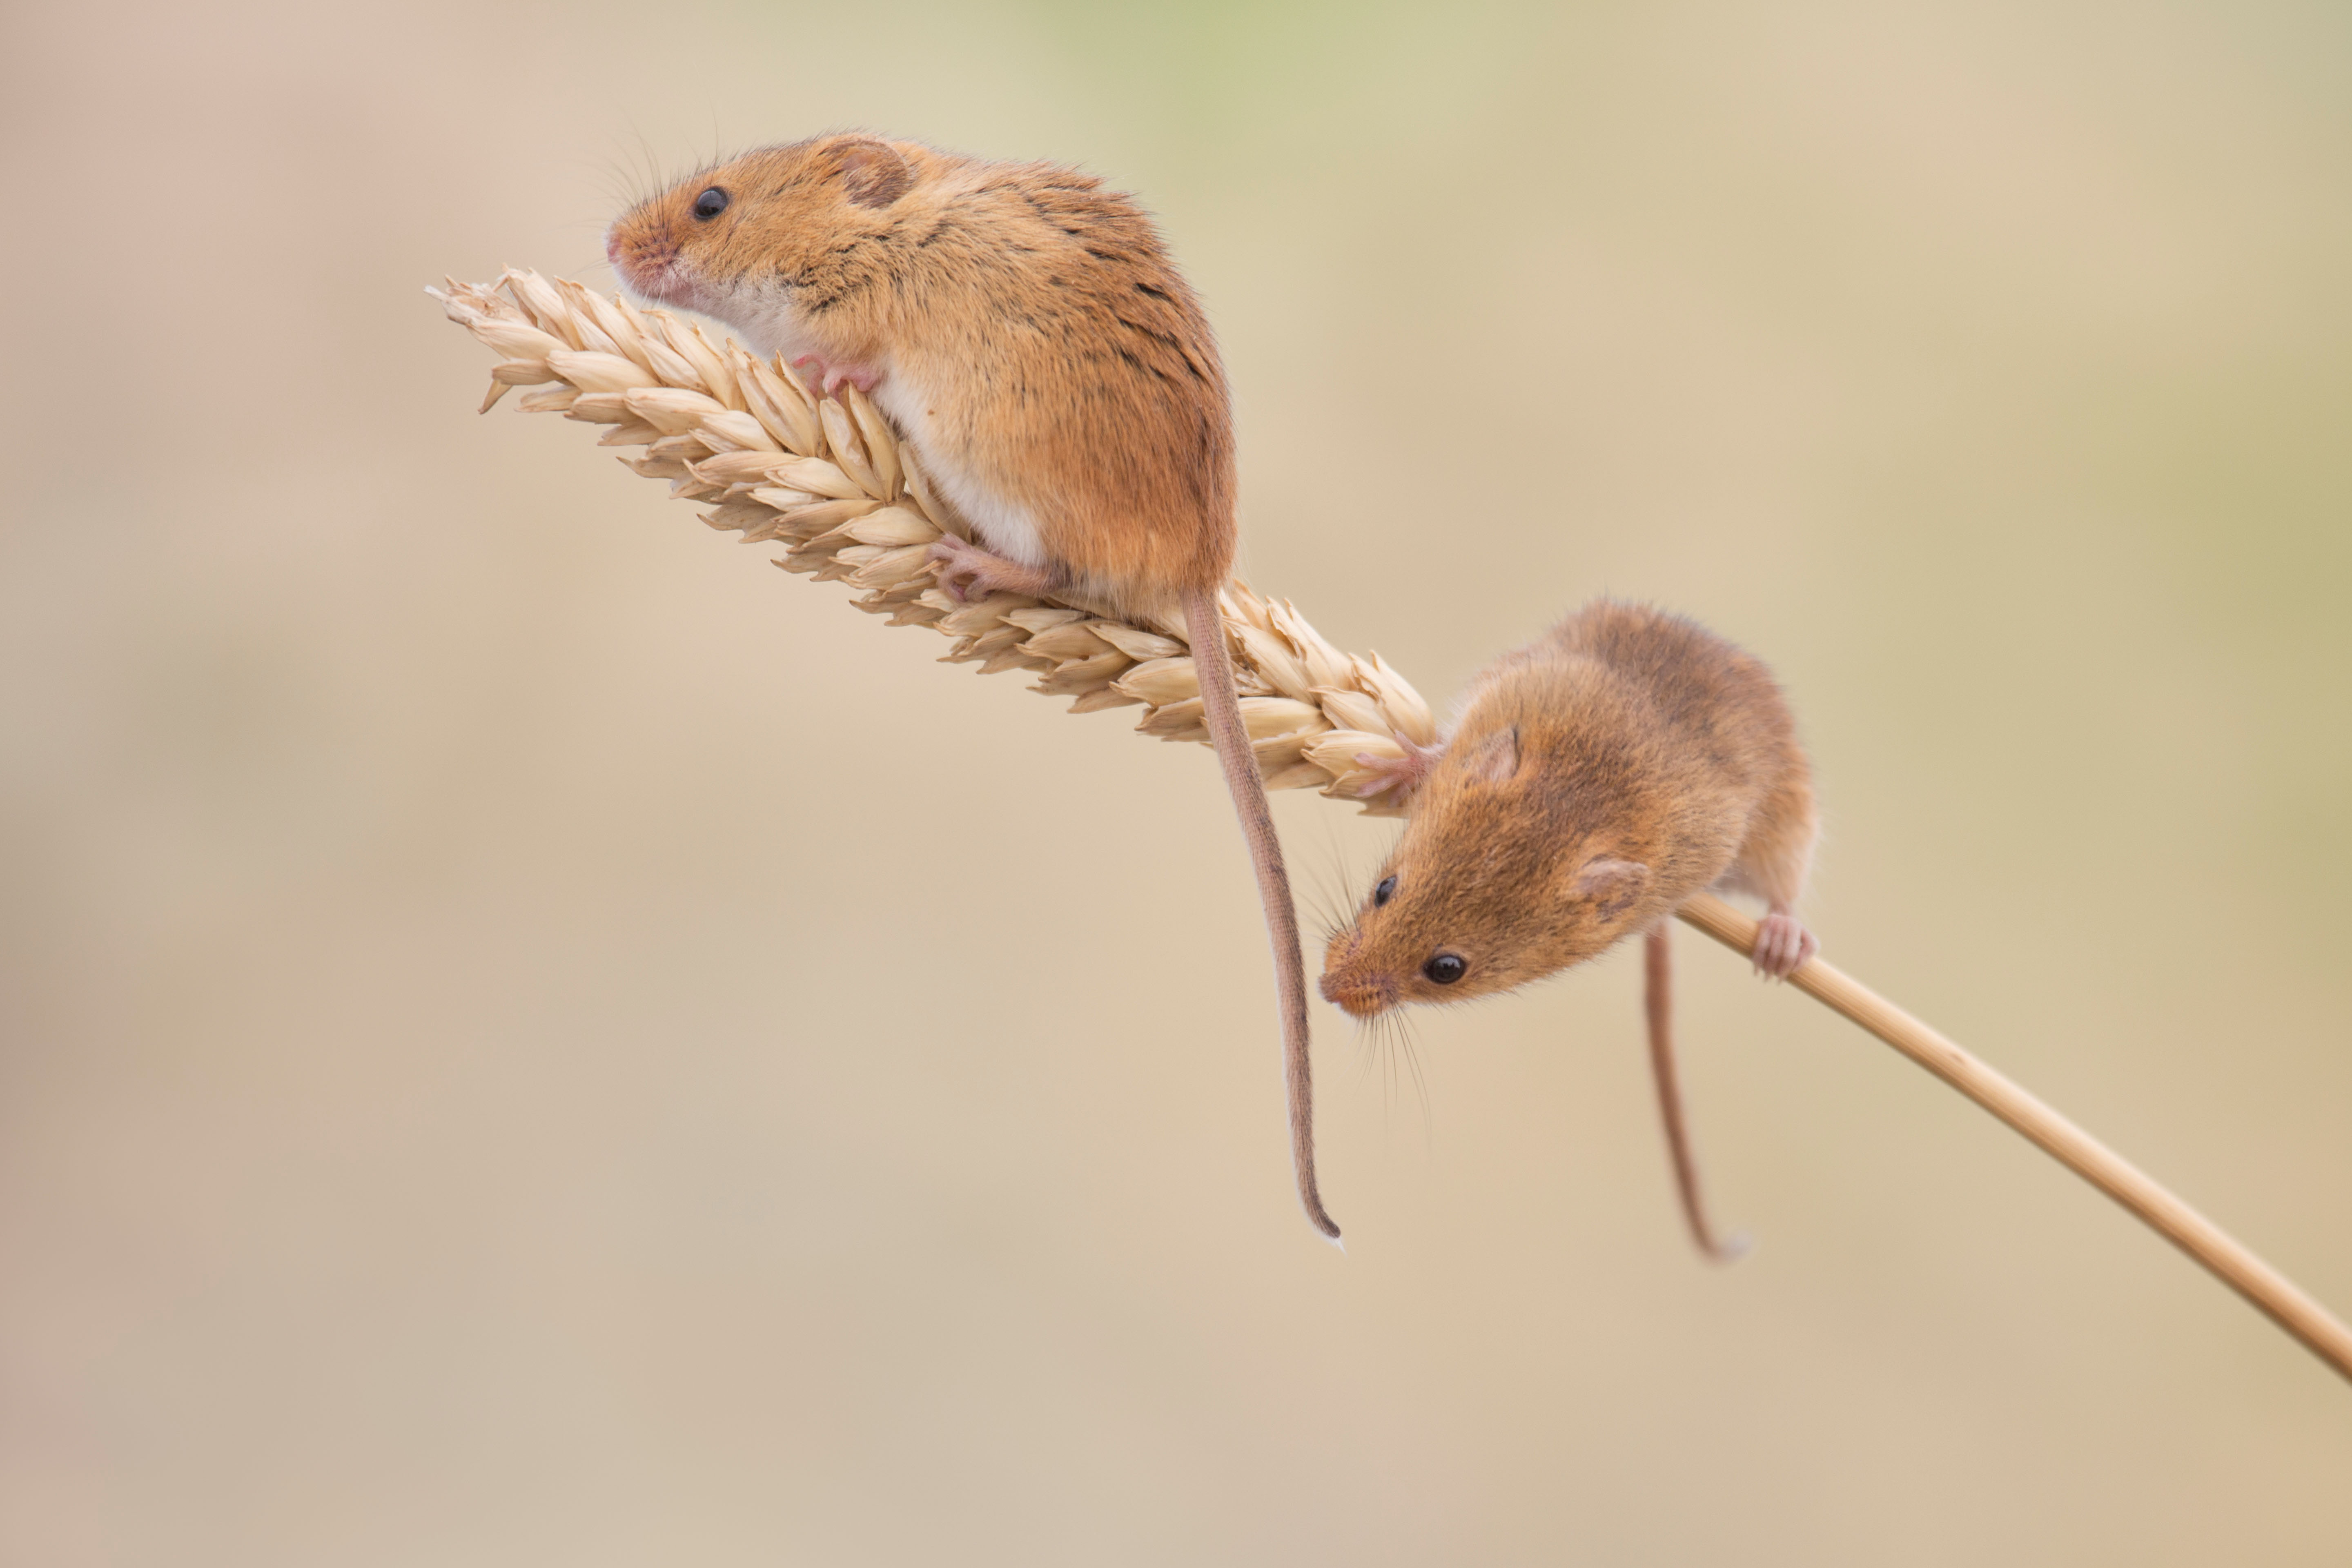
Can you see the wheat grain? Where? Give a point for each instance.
(826, 479)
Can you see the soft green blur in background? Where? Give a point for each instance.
(527, 1035)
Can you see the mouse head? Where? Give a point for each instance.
(1503, 876)
(752, 240)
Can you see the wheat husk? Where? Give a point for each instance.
(828, 479)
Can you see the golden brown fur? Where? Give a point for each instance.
(1598, 776)
(1066, 363)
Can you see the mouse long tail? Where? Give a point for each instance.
(1222, 709)
(1658, 1002)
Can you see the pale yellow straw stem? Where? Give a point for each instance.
(2320, 1331)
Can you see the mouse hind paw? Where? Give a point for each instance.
(1782, 945)
(968, 571)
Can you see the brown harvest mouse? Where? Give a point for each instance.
(1596, 779)
(1025, 330)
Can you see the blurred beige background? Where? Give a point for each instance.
(501, 1061)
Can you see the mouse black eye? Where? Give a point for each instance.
(1445, 969)
(709, 205)
(1385, 891)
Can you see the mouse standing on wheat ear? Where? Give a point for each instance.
(1597, 778)
(1025, 329)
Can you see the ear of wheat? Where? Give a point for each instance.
(826, 479)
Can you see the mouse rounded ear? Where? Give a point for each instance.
(873, 173)
(1610, 884)
(1495, 759)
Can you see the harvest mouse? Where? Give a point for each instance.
(1597, 778)
(1027, 333)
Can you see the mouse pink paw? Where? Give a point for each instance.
(1782, 945)
(1397, 775)
(968, 571)
(829, 380)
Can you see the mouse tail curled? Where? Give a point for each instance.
(1221, 710)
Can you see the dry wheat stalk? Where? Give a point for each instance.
(826, 479)
(2228, 1259)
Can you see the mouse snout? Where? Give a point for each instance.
(1344, 983)
(644, 257)
(1358, 995)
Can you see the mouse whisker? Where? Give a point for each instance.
(1327, 881)
(1387, 1038)
(1409, 1046)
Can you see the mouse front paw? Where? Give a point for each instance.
(827, 379)
(1398, 776)
(1782, 945)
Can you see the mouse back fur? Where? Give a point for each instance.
(1598, 777)
(1022, 324)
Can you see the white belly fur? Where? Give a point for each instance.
(1005, 526)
